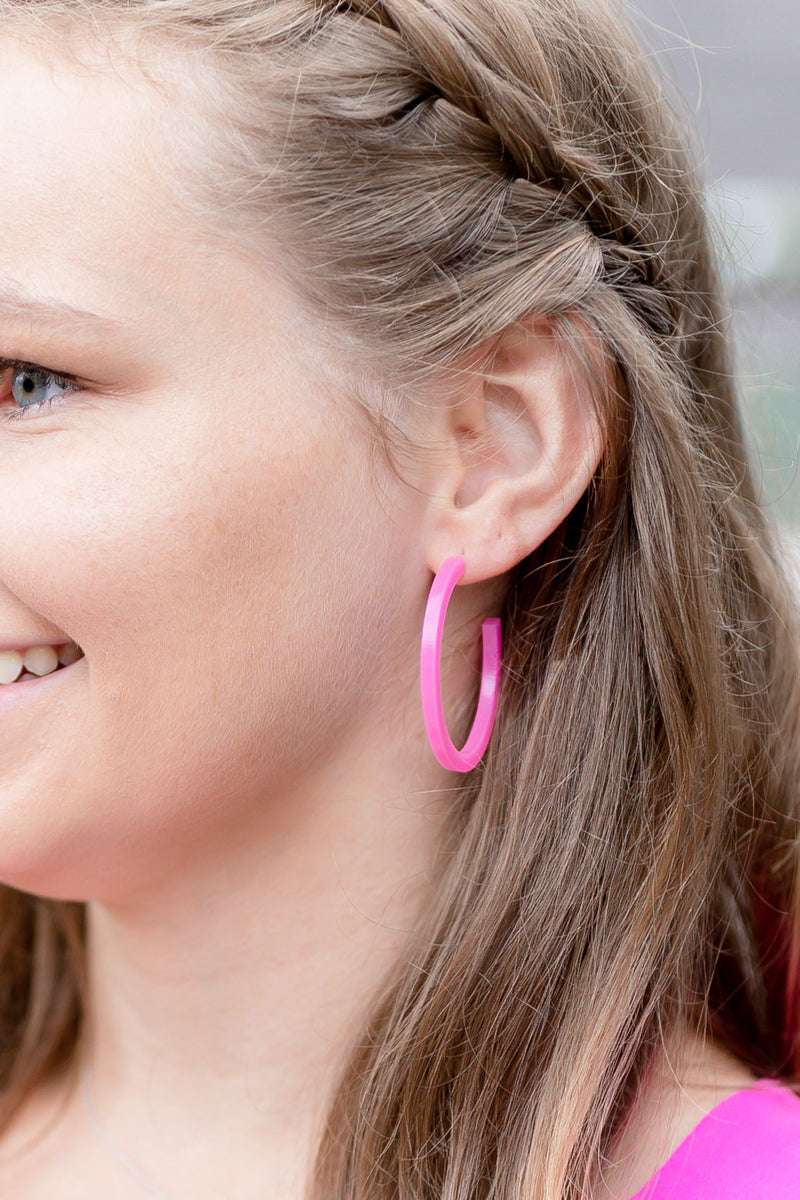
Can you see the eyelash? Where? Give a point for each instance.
(17, 364)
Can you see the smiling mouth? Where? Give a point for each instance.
(18, 666)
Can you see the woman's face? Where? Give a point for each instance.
(200, 516)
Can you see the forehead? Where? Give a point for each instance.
(87, 212)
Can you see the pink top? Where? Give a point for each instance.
(747, 1148)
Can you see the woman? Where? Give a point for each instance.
(314, 315)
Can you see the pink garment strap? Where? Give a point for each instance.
(746, 1148)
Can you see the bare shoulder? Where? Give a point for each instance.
(670, 1107)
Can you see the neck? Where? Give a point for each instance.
(223, 1000)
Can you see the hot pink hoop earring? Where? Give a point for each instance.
(465, 759)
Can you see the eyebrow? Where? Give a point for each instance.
(57, 314)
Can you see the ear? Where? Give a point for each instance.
(519, 448)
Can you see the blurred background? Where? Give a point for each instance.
(737, 65)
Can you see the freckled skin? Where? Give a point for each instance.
(202, 522)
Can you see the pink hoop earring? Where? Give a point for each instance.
(470, 755)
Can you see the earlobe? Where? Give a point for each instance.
(528, 440)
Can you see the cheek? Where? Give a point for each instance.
(121, 539)
(226, 602)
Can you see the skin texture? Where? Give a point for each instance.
(236, 778)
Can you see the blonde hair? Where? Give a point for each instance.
(625, 860)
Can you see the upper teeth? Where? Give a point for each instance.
(38, 660)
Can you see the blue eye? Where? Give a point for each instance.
(29, 391)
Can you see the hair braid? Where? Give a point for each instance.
(416, 92)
